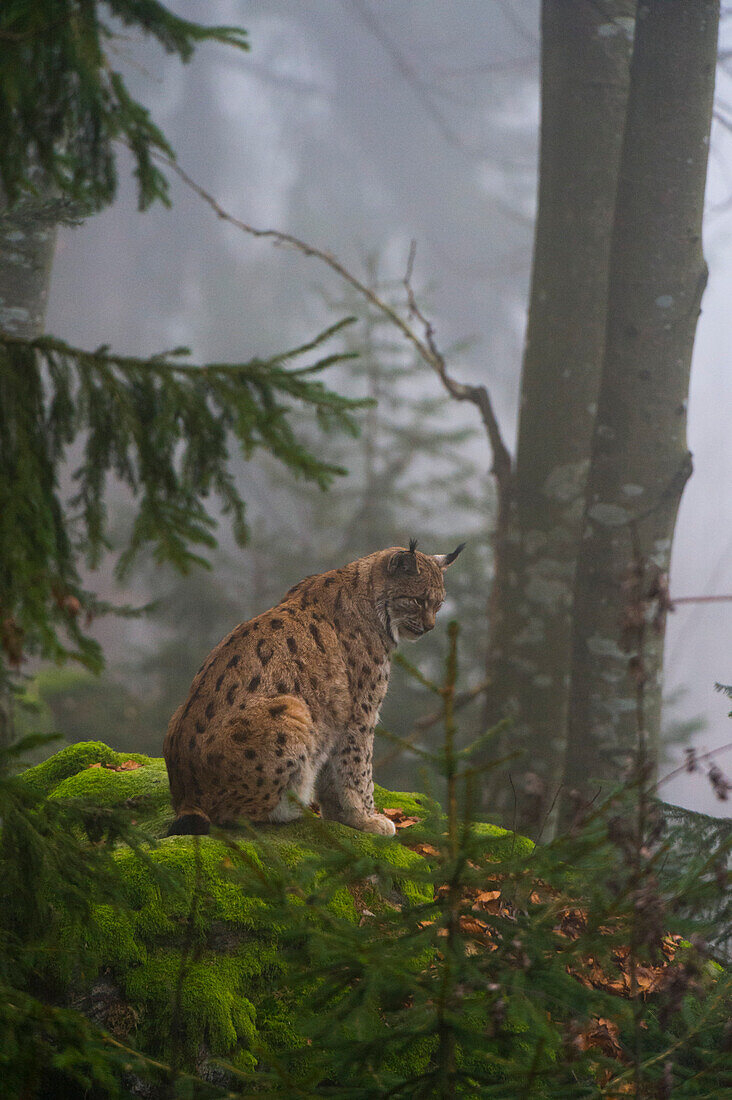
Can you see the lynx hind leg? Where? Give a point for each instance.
(271, 755)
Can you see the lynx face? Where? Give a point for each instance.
(412, 600)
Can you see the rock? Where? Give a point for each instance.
(190, 966)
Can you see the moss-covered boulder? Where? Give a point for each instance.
(190, 944)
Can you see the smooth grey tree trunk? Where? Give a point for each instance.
(586, 50)
(640, 460)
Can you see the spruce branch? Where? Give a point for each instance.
(62, 106)
(162, 427)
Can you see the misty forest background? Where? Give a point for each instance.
(361, 128)
(477, 325)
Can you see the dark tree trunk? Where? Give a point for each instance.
(27, 243)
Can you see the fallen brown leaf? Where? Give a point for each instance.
(424, 849)
(603, 1035)
(484, 897)
(474, 927)
(125, 766)
(669, 945)
(572, 923)
(399, 817)
(619, 1089)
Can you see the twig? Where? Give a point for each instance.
(698, 759)
(699, 599)
(548, 814)
(423, 92)
(515, 813)
(427, 720)
(409, 73)
(478, 395)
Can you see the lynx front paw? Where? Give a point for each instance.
(379, 824)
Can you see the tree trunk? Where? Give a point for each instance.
(585, 71)
(27, 243)
(640, 460)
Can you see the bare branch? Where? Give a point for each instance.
(421, 89)
(425, 345)
(699, 599)
(409, 73)
(478, 395)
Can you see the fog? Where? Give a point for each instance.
(360, 127)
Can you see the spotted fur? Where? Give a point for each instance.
(284, 708)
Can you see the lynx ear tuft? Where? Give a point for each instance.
(443, 560)
(412, 545)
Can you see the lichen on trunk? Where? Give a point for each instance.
(28, 230)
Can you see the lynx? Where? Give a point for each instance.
(284, 708)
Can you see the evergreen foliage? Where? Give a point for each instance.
(62, 104)
(690, 840)
(311, 960)
(162, 428)
(57, 858)
(536, 972)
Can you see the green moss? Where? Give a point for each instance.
(44, 778)
(502, 843)
(413, 1059)
(160, 890)
(144, 791)
(205, 998)
(498, 843)
(412, 804)
(228, 990)
(112, 938)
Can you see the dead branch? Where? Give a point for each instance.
(699, 599)
(478, 395)
(423, 92)
(425, 345)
